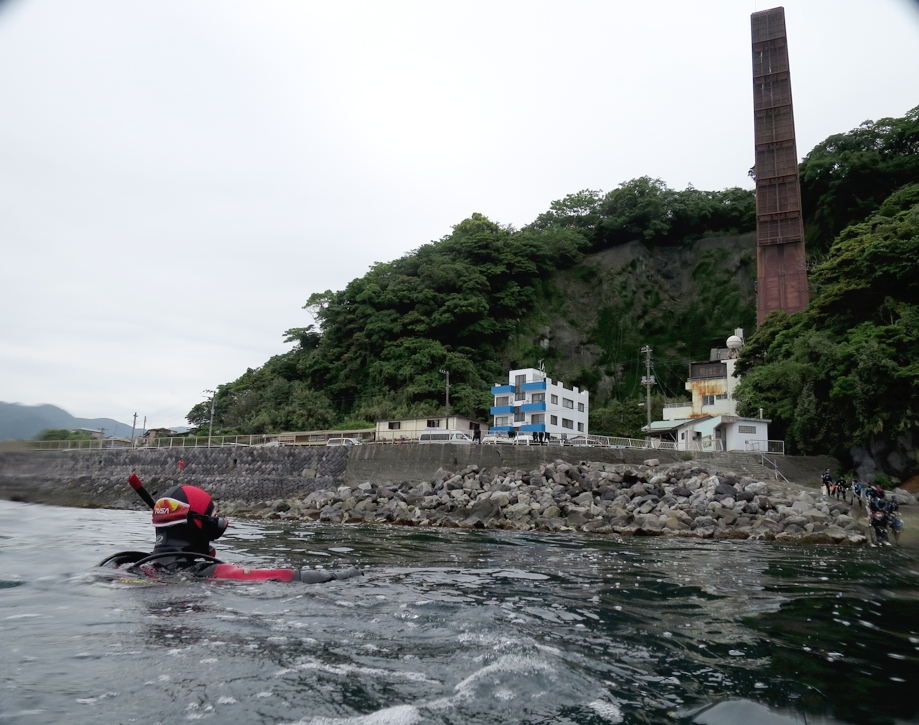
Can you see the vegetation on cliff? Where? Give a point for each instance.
(461, 303)
(846, 370)
(845, 178)
(488, 297)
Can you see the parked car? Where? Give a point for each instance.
(444, 436)
(342, 442)
(521, 439)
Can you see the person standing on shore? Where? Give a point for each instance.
(827, 481)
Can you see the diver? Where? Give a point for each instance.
(841, 488)
(896, 521)
(856, 490)
(185, 525)
(879, 522)
(827, 481)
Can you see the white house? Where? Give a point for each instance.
(532, 402)
(717, 433)
(410, 429)
(709, 421)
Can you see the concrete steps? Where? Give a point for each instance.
(743, 464)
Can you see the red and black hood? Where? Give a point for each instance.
(173, 507)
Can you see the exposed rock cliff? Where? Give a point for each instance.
(680, 300)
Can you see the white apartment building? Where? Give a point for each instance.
(531, 402)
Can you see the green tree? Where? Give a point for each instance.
(60, 434)
(844, 371)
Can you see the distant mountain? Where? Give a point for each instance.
(24, 422)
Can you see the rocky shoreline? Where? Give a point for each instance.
(676, 499)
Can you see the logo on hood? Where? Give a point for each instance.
(169, 512)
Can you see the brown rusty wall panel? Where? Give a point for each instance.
(781, 259)
(776, 161)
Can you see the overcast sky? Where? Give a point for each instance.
(176, 178)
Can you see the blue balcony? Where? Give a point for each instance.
(504, 428)
(533, 428)
(502, 389)
(538, 385)
(502, 409)
(533, 407)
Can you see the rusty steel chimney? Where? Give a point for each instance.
(780, 259)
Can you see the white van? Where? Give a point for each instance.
(342, 442)
(444, 436)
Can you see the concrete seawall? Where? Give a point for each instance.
(253, 475)
(99, 478)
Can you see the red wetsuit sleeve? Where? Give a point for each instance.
(239, 573)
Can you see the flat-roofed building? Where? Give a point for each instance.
(531, 402)
(409, 429)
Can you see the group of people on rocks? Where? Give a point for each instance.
(883, 512)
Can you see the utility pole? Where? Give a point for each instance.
(133, 428)
(648, 381)
(145, 425)
(447, 373)
(210, 430)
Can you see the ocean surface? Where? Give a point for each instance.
(454, 627)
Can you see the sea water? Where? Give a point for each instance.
(450, 626)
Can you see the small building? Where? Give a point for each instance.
(532, 402)
(711, 384)
(152, 434)
(716, 433)
(409, 429)
(709, 421)
(95, 433)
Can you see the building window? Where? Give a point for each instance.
(580, 427)
(433, 424)
(538, 418)
(503, 400)
(538, 398)
(394, 425)
(567, 403)
(519, 381)
(566, 423)
(553, 420)
(708, 400)
(721, 396)
(519, 416)
(746, 429)
(501, 420)
(554, 399)
(580, 407)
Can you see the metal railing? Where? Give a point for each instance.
(764, 446)
(687, 404)
(141, 444)
(775, 468)
(319, 438)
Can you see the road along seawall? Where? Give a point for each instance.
(252, 475)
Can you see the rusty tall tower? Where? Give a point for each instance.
(780, 259)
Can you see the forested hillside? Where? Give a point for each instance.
(483, 299)
(594, 278)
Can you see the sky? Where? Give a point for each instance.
(177, 178)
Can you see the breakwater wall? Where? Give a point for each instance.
(99, 478)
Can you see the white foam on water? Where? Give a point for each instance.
(607, 710)
(346, 670)
(398, 715)
(507, 664)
